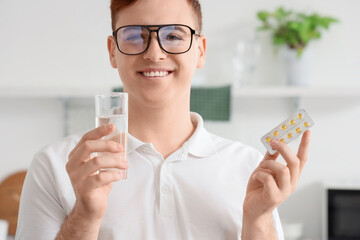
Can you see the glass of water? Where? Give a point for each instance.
(112, 108)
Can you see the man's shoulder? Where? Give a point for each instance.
(59, 150)
(231, 147)
(222, 143)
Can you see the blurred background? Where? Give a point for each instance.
(53, 59)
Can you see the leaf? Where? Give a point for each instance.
(278, 40)
(330, 19)
(326, 21)
(304, 31)
(292, 40)
(280, 13)
(263, 16)
(293, 25)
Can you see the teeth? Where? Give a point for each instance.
(156, 74)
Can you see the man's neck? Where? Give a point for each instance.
(167, 128)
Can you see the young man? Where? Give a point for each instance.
(183, 182)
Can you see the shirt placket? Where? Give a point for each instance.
(167, 201)
(167, 197)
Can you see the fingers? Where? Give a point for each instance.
(268, 156)
(280, 173)
(103, 162)
(304, 149)
(84, 179)
(83, 152)
(275, 181)
(271, 190)
(103, 178)
(95, 134)
(112, 154)
(293, 163)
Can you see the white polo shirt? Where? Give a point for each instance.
(196, 193)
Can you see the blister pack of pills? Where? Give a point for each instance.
(289, 129)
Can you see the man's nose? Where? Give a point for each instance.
(154, 53)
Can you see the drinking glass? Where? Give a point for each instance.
(113, 108)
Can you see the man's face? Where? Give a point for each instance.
(178, 69)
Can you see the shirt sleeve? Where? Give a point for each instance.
(277, 225)
(40, 213)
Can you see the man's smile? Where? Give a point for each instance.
(149, 73)
(156, 74)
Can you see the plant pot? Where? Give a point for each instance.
(298, 69)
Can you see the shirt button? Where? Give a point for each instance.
(165, 189)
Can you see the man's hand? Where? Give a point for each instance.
(272, 182)
(91, 186)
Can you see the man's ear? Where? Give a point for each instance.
(111, 45)
(202, 51)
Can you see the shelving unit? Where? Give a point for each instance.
(52, 92)
(296, 92)
(65, 94)
(255, 92)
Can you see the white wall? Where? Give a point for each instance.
(51, 44)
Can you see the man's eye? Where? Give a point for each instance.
(133, 37)
(173, 37)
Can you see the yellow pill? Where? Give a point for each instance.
(306, 124)
(292, 122)
(298, 130)
(290, 135)
(283, 126)
(276, 133)
(282, 140)
(300, 116)
(268, 139)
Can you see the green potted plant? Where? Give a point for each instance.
(293, 29)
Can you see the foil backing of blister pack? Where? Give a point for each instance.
(288, 130)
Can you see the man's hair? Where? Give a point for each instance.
(117, 5)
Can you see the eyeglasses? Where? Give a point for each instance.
(172, 38)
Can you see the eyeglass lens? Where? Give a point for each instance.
(135, 39)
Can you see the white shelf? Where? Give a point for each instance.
(52, 92)
(287, 91)
(256, 92)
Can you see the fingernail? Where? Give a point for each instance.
(109, 126)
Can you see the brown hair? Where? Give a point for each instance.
(117, 5)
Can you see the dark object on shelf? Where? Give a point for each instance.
(212, 103)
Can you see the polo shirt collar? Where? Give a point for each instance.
(200, 144)
(133, 143)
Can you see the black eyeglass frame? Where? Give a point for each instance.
(192, 31)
